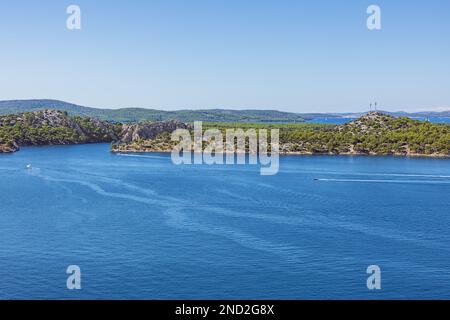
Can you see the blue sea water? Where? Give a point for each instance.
(337, 121)
(140, 227)
(435, 120)
(340, 121)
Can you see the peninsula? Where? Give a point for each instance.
(374, 133)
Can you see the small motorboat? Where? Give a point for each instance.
(28, 166)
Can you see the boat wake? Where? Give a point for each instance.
(385, 181)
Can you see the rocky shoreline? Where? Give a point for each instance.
(294, 153)
(9, 147)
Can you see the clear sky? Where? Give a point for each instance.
(291, 55)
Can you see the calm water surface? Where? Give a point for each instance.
(141, 227)
(340, 121)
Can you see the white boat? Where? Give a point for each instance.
(28, 166)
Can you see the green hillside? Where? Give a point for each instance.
(141, 114)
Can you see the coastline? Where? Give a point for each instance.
(374, 134)
(299, 153)
(284, 153)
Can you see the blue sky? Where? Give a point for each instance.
(300, 56)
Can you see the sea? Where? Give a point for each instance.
(138, 226)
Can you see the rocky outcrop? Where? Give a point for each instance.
(87, 128)
(369, 123)
(8, 147)
(148, 136)
(149, 130)
(51, 127)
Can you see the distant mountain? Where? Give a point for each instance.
(18, 106)
(140, 114)
(209, 115)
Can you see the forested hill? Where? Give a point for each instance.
(372, 134)
(141, 114)
(51, 127)
(207, 115)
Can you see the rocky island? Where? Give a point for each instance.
(372, 134)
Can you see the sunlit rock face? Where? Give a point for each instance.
(149, 130)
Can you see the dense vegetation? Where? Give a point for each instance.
(52, 127)
(212, 115)
(374, 133)
(141, 114)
